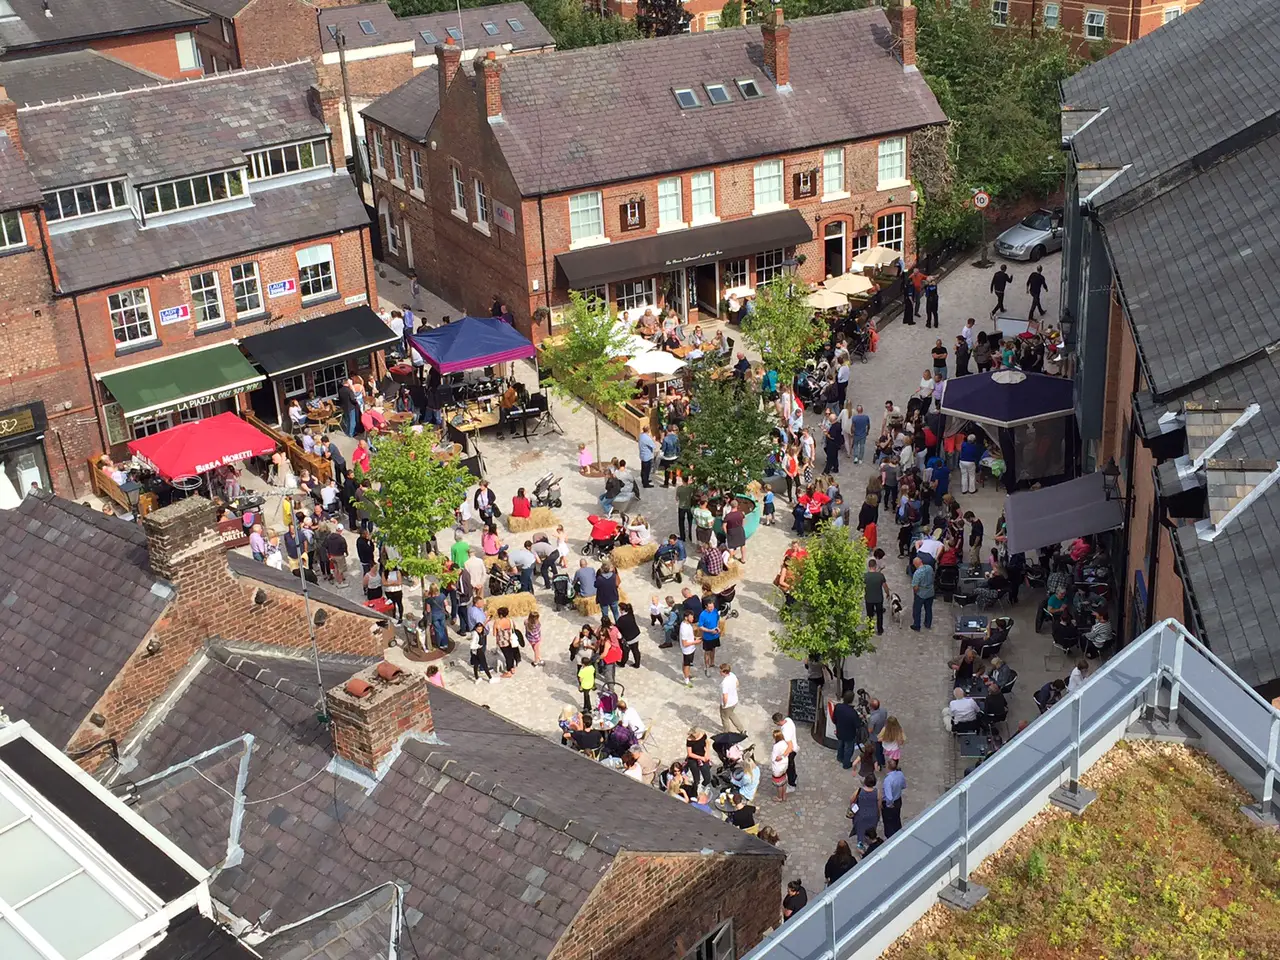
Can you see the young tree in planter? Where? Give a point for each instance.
(781, 326)
(415, 496)
(726, 438)
(827, 617)
(588, 364)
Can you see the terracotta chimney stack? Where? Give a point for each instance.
(777, 49)
(490, 71)
(448, 57)
(902, 22)
(9, 121)
(373, 710)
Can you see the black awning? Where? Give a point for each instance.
(682, 248)
(1077, 508)
(301, 346)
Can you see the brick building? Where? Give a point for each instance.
(765, 155)
(256, 33)
(154, 35)
(703, 14)
(1174, 329)
(1091, 24)
(149, 231)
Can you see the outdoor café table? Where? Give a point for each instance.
(970, 627)
(399, 419)
(975, 688)
(975, 746)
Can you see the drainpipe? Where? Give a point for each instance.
(88, 372)
(546, 278)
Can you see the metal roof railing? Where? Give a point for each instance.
(1166, 667)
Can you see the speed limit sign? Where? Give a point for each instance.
(981, 200)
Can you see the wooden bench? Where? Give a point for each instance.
(319, 468)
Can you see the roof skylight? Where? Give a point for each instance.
(490, 28)
(717, 93)
(687, 98)
(455, 33)
(749, 90)
(516, 25)
(367, 28)
(428, 37)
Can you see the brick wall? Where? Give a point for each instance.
(277, 31)
(371, 78)
(366, 728)
(157, 52)
(186, 550)
(406, 209)
(216, 41)
(658, 907)
(1126, 20)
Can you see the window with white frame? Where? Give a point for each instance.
(702, 191)
(291, 158)
(459, 191)
(711, 21)
(1000, 12)
(415, 161)
(145, 428)
(329, 379)
(483, 211)
(892, 155)
(294, 385)
(378, 159)
(193, 192)
(832, 171)
(769, 265)
(891, 230)
(397, 166)
(716, 945)
(1095, 24)
(1052, 16)
(11, 233)
(315, 271)
(634, 293)
(670, 203)
(131, 316)
(586, 217)
(861, 243)
(197, 413)
(735, 273)
(1172, 13)
(599, 292)
(768, 184)
(206, 298)
(83, 201)
(188, 55)
(226, 29)
(246, 288)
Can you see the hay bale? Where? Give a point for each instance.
(491, 562)
(723, 581)
(517, 604)
(625, 558)
(539, 518)
(587, 606)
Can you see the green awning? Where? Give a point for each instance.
(178, 383)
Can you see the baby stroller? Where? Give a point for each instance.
(660, 572)
(599, 548)
(546, 492)
(807, 387)
(728, 748)
(562, 589)
(724, 601)
(501, 583)
(860, 346)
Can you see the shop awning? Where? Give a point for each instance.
(190, 449)
(1077, 508)
(313, 343)
(682, 248)
(178, 383)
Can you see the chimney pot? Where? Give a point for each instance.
(388, 671)
(776, 35)
(358, 688)
(491, 55)
(370, 715)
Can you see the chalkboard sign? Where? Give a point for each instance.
(802, 706)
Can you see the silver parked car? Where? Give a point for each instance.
(1033, 237)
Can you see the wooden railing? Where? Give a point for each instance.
(104, 487)
(319, 468)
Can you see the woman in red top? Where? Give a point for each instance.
(869, 534)
(612, 656)
(520, 504)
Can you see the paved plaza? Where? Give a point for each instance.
(908, 672)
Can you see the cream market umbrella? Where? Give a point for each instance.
(826, 299)
(632, 346)
(877, 257)
(849, 284)
(659, 363)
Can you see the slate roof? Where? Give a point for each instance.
(360, 929)
(245, 566)
(17, 187)
(1172, 94)
(172, 129)
(534, 36)
(223, 8)
(119, 251)
(77, 596)
(495, 855)
(563, 110)
(85, 19)
(411, 107)
(61, 76)
(389, 28)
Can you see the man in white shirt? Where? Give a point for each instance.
(964, 709)
(329, 496)
(929, 546)
(968, 332)
(843, 372)
(729, 700)
(476, 571)
(688, 647)
(1078, 675)
(631, 719)
(788, 728)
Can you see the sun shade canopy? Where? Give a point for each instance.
(313, 343)
(1008, 398)
(470, 343)
(1077, 508)
(191, 449)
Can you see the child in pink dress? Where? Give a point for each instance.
(585, 459)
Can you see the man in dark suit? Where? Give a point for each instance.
(850, 729)
(350, 408)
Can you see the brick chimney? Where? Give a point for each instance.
(490, 72)
(185, 547)
(448, 57)
(777, 49)
(373, 710)
(9, 121)
(902, 22)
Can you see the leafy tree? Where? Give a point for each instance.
(662, 18)
(731, 14)
(726, 435)
(587, 362)
(827, 616)
(416, 495)
(781, 326)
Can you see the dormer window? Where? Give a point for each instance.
(687, 98)
(192, 192)
(83, 201)
(291, 158)
(749, 90)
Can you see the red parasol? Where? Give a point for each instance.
(190, 449)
